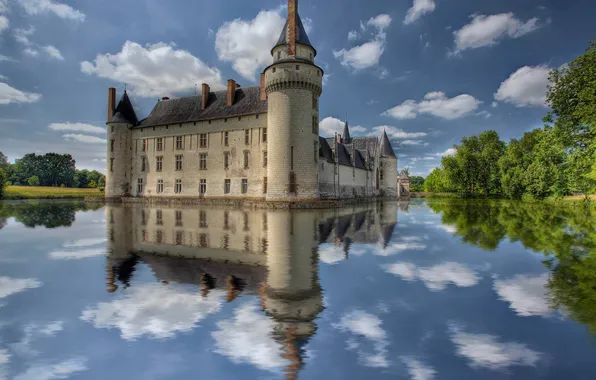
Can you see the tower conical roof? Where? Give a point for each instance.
(346, 136)
(301, 36)
(386, 148)
(124, 112)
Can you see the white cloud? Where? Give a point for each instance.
(154, 70)
(53, 52)
(3, 6)
(76, 127)
(489, 30)
(362, 324)
(413, 142)
(330, 125)
(448, 152)
(77, 254)
(436, 277)
(247, 44)
(4, 58)
(22, 35)
(9, 286)
(31, 52)
(495, 104)
(369, 53)
(525, 88)
(84, 138)
(484, 350)
(35, 7)
(527, 295)
(417, 369)
(84, 242)
(60, 370)
(419, 8)
(32, 332)
(436, 104)
(447, 228)
(395, 133)
(154, 310)
(247, 338)
(4, 23)
(353, 35)
(331, 253)
(406, 243)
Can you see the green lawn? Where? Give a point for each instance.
(41, 192)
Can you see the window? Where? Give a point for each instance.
(143, 163)
(257, 117)
(179, 162)
(160, 186)
(159, 236)
(246, 159)
(203, 161)
(264, 185)
(274, 70)
(111, 164)
(247, 137)
(226, 138)
(203, 241)
(227, 186)
(159, 218)
(178, 188)
(226, 120)
(202, 186)
(245, 222)
(315, 102)
(179, 237)
(278, 56)
(160, 144)
(140, 186)
(226, 223)
(381, 174)
(226, 160)
(144, 145)
(292, 188)
(264, 134)
(244, 186)
(143, 218)
(316, 151)
(158, 163)
(297, 67)
(314, 125)
(265, 159)
(179, 143)
(291, 158)
(178, 218)
(203, 140)
(202, 219)
(112, 142)
(239, 118)
(311, 56)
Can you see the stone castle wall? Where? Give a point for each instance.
(118, 160)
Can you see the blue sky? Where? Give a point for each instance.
(427, 71)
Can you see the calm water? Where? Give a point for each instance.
(420, 290)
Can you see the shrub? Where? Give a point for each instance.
(2, 182)
(33, 181)
(101, 189)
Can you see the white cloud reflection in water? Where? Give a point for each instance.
(527, 295)
(436, 277)
(365, 327)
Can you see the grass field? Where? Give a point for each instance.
(40, 192)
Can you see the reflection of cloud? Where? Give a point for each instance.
(484, 350)
(331, 254)
(10, 286)
(61, 370)
(417, 369)
(448, 228)
(32, 332)
(368, 326)
(246, 338)
(154, 310)
(84, 243)
(75, 255)
(406, 243)
(526, 294)
(436, 277)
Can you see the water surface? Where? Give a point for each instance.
(419, 290)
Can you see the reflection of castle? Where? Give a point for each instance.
(269, 254)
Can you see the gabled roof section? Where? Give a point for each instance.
(386, 149)
(325, 150)
(124, 112)
(301, 36)
(366, 143)
(359, 160)
(343, 156)
(247, 101)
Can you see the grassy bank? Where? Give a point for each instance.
(578, 200)
(40, 192)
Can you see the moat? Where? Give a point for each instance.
(426, 289)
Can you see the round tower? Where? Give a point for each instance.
(121, 119)
(388, 167)
(293, 84)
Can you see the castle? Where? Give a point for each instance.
(259, 142)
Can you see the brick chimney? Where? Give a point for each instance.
(205, 90)
(292, 17)
(263, 93)
(338, 138)
(111, 102)
(231, 92)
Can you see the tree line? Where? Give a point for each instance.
(51, 169)
(553, 161)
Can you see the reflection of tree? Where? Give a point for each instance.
(49, 215)
(3, 222)
(566, 235)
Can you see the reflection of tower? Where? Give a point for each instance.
(292, 295)
(121, 260)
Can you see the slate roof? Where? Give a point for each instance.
(343, 155)
(346, 136)
(325, 150)
(364, 143)
(124, 112)
(386, 149)
(247, 101)
(360, 161)
(301, 36)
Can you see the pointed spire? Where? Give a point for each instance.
(124, 112)
(293, 30)
(386, 149)
(346, 136)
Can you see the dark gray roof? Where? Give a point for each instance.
(188, 109)
(124, 112)
(325, 150)
(343, 155)
(364, 143)
(360, 161)
(386, 149)
(346, 136)
(301, 36)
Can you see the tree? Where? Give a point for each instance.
(2, 182)
(514, 163)
(406, 171)
(437, 182)
(3, 161)
(92, 184)
(33, 181)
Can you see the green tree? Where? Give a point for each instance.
(514, 163)
(406, 171)
(33, 181)
(437, 182)
(2, 183)
(3, 161)
(416, 183)
(92, 184)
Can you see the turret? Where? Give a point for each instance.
(346, 138)
(388, 167)
(121, 119)
(293, 84)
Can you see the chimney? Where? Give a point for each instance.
(231, 92)
(262, 90)
(205, 94)
(292, 17)
(111, 102)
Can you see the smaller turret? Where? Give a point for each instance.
(346, 138)
(388, 167)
